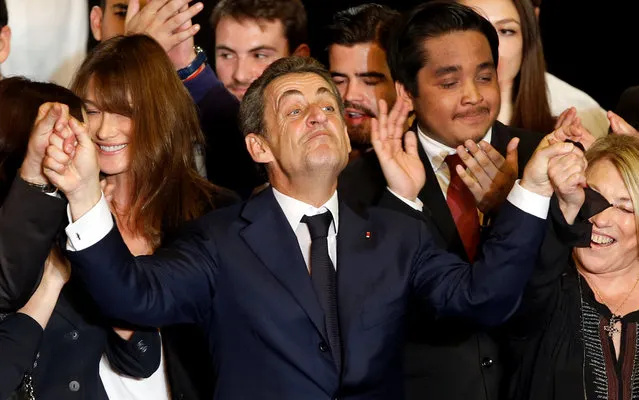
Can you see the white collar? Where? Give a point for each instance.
(437, 152)
(294, 209)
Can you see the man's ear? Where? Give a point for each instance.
(302, 51)
(537, 13)
(258, 148)
(403, 94)
(5, 43)
(95, 20)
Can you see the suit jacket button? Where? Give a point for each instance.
(323, 347)
(74, 386)
(73, 335)
(487, 362)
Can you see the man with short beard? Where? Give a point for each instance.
(357, 63)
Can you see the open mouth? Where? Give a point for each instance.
(597, 240)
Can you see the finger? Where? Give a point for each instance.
(181, 18)
(393, 118)
(383, 120)
(58, 155)
(555, 150)
(168, 9)
(492, 153)
(180, 36)
(561, 118)
(482, 159)
(63, 116)
(470, 182)
(80, 132)
(512, 156)
(132, 11)
(48, 163)
(410, 144)
(473, 166)
(56, 140)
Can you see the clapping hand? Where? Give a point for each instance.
(490, 176)
(397, 151)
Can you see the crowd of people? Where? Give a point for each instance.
(431, 215)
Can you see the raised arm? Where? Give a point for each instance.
(175, 285)
(29, 218)
(490, 290)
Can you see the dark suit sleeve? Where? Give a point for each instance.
(489, 291)
(20, 337)
(542, 291)
(29, 222)
(139, 356)
(175, 285)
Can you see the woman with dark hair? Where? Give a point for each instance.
(62, 362)
(145, 127)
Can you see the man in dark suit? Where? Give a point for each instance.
(443, 59)
(303, 297)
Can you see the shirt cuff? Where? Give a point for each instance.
(529, 202)
(417, 204)
(90, 228)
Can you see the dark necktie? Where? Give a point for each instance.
(461, 203)
(324, 279)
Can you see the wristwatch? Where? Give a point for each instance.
(200, 59)
(44, 188)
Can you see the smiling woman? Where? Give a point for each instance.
(590, 292)
(145, 127)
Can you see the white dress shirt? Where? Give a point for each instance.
(294, 210)
(122, 387)
(561, 96)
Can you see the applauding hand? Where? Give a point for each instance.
(396, 151)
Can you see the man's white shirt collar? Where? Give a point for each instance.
(437, 152)
(295, 209)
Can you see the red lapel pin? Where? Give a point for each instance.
(368, 235)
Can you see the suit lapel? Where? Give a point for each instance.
(500, 138)
(270, 237)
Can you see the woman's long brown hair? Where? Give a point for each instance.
(531, 108)
(133, 76)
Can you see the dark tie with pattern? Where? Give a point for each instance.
(461, 203)
(324, 279)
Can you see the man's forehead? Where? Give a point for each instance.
(302, 81)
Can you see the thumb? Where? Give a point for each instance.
(556, 149)
(80, 132)
(131, 12)
(410, 143)
(512, 155)
(48, 115)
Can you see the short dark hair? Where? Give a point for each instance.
(251, 114)
(536, 3)
(4, 15)
(360, 24)
(291, 12)
(405, 49)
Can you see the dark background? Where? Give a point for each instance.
(591, 45)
